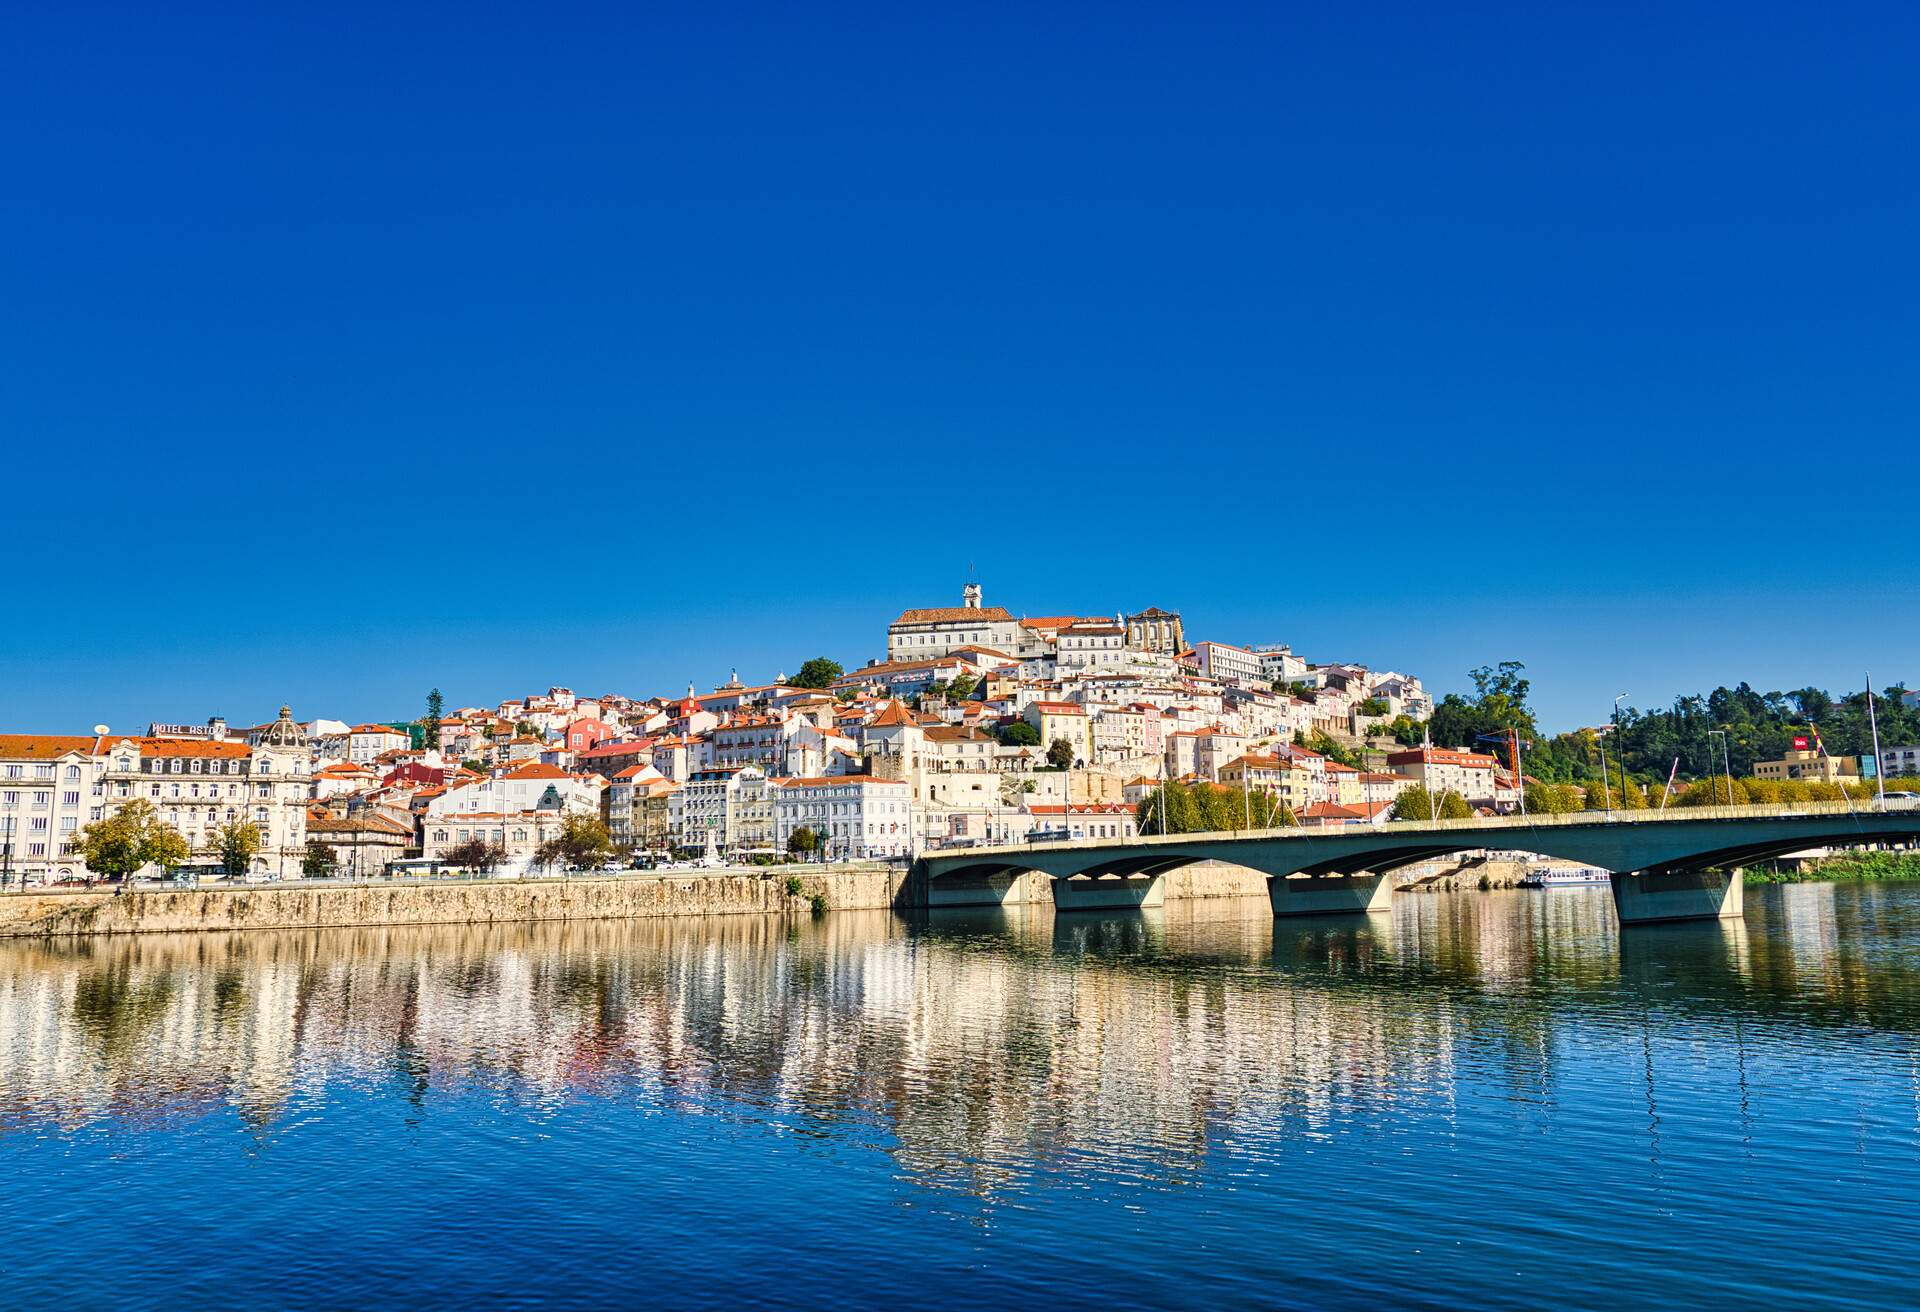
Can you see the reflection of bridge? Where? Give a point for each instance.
(1668, 865)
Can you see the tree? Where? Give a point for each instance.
(820, 672)
(131, 838)
(318, 861)
(1203, 807)
(477, 854)
(1334, 750)
(1454, 807)
(430, 723)
(1375, 706)
(583, 840)
(1543, 799)
(1018, 734)
(962, 686)
(803, 842)
(1060, 754)
(235, 842)
(1415, 803)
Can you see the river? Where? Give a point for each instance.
(1480, 1100)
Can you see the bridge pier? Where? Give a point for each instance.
(1098, 892)
(991, 891)
(1328, 895)
(1645, 897)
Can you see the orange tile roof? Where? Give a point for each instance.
(894, 717)
(189, 747)
(42, 747)
(954, 615)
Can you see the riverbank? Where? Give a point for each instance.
(782, 891)
(1850, 865)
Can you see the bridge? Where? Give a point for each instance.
(1666, 865)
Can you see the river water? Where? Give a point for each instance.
(1480, 1100)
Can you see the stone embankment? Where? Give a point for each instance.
(56, 913)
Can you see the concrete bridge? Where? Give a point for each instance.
(1666, 865)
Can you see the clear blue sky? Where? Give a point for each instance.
(353, 350)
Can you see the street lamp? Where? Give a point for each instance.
(1722, 735)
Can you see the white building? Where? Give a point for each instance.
(857, 816)
(1227, 663)
(733, 803)
(923, 634)
(530, 787)
(365, 742)
(49, 790)
(198, 784)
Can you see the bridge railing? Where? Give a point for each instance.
(1862, 810)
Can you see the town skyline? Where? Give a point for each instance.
(352, 682)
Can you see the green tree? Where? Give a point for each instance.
(1060, 754)
(962, 687)
(1373, 706)
(820, 672)
(1454, 807)
(583, 840)
(235, 843)
(318, 860)
(1544, 799)
(430, 723)
(1335, 750)
(1018, 734)
(803, 842)
(129, 839)
(1415, 802)
(1206, 808)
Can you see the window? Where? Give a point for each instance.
(73, 772)
(259, 815)
(70, 799)
(266, 767)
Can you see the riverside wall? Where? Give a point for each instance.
(61, 913)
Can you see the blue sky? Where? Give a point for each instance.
(355, 350)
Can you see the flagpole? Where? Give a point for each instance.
(1879, 775)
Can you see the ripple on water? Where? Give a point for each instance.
(1481, 1100)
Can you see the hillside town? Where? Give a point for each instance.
(977, 726)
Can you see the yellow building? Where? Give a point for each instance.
(1810, 765)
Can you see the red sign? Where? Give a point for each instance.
(1799, 744)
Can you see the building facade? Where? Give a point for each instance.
(199, 784)
(858, 817)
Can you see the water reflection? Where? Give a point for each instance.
(976, 1046)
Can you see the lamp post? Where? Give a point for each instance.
(1619, 751)
(1722, 735)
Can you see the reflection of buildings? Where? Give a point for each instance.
(979, 1051)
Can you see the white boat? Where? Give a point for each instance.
(1564, 876)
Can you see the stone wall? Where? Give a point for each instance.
(293, 906)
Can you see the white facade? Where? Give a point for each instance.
(50, 788)
(199, 784)
(1228, 663)
(857, 816)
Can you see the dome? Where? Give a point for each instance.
(283, 732)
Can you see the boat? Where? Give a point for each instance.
(1544, 876)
